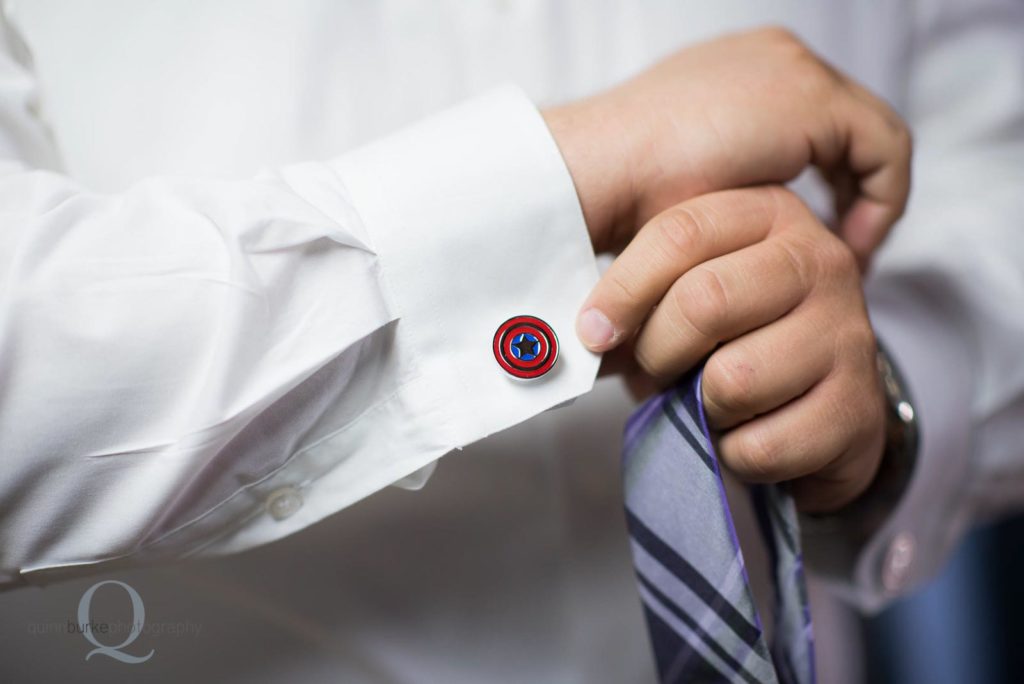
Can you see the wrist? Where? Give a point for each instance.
(598, 151)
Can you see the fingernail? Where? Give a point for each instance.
(595, 330)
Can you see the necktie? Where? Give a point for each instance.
(692, 580)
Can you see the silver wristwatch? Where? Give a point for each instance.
(899, 455)
(840, 536)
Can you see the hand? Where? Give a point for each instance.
(742, 110)
(752, 278)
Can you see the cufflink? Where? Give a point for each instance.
(525, 347)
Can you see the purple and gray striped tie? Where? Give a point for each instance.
(700, 611)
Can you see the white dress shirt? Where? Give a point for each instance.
(236, 302)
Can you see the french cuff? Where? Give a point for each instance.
(475, 219)
(917, 325)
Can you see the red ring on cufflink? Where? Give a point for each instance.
(525, 347)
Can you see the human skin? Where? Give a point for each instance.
(679, 169)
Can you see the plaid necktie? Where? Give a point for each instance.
(700, 611)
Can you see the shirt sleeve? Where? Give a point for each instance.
(947, 296)
(200, 366)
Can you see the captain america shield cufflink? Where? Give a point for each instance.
(525, 347)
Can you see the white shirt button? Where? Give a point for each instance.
(283, 502)
(898, 560)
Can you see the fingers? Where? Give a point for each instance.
(718, 301)
(840, 481)
(765, 369)
(877, 148)
(794, 385)
(805, 435)
(668, 246)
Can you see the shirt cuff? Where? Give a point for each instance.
(917, 326)
(475, 219)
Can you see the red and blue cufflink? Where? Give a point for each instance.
(525, 347)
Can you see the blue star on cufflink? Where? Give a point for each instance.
(525, 347)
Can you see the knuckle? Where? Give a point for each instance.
(643, 360)
(779, 199)
(701, 299)
(851, 414)
(757, 456)
(836, 257)
(818, 81)
(841, 410)
(682, 230)
(855, 354)
(730, 382)
(649, 364)
(784, 203)
(814, 77)
(783, 197)
(796, 259)
(621, 285)
(780, 35)
(860, 340)
(857, 414)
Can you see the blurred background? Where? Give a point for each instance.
(967, 625)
